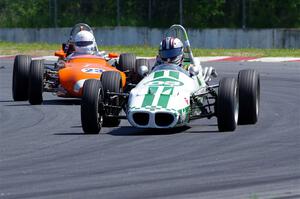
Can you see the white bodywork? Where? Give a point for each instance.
(167, 89)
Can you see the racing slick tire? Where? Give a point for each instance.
(227, 104)
(142, 62)
(249, 96)
(127, 62)
(112, 81)
(36, 82)
(20, 77)
(139, 63)
(91, 106)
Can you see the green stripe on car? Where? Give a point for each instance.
(164, 98)
(163, 101)
(199, 82)
(174, 74)
(158, 74)
(148, 99)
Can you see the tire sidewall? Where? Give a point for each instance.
(91, 106)
(36, 82)
(227, 104)
(20, 78)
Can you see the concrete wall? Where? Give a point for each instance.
(201, 38)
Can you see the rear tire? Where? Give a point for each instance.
(142, 62)
(139, 63)
(227, 105)
(20, 77)
(127, 62)
(249, 96)
(91, 108)
(112, 81)
(36, 82)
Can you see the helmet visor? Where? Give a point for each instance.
(170, 53)
(83, 43)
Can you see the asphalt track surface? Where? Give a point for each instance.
(44, 154)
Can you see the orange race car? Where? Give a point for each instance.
(78, 60)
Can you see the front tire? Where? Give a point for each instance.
(20, 77)
(112, 82)
(91, 110)
(227, 104)
(249, 96)
(36, 82)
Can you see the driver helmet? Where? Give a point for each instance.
(85, 42)
(171, 50)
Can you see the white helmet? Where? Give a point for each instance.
(85, 42)
(171, 50)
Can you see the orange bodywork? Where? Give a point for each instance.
(80, 68)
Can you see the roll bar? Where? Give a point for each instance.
(180, 31)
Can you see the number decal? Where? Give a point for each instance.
(92, 70)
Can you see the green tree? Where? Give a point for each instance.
(197, 13)
(274, 13)
(18, 13)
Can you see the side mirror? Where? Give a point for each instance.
(60, 54)
(142, 70)
(113, 55)
(193, 70)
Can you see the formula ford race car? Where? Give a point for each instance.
(65, 77)
(170, 96)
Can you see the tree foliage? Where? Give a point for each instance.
(162, 13)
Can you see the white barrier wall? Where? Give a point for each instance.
(201, 38)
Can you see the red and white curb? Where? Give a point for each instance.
(243, 59)
(248, 59)
(202, 59)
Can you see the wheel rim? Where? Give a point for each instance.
(100, 119)
(99, 116)
(236, 110)
(257, 98)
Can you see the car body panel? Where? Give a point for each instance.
(166, 90)
(79, 68)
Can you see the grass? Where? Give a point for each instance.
(39, 49)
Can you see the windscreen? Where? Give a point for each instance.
(170, 67)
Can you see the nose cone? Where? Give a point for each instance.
(158, 107)
(152, 97)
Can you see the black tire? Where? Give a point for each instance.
(36, 82)
(91, 106)
(139, 63)
(20, 77)
(112, 81)
(227, 104)
(249, 96)
(127, 62)
(142, 62)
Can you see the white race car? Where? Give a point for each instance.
(170, 96)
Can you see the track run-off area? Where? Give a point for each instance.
(44, 153)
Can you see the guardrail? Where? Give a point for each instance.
(200, 38)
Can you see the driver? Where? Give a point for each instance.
(85, 43)
(170, 51)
